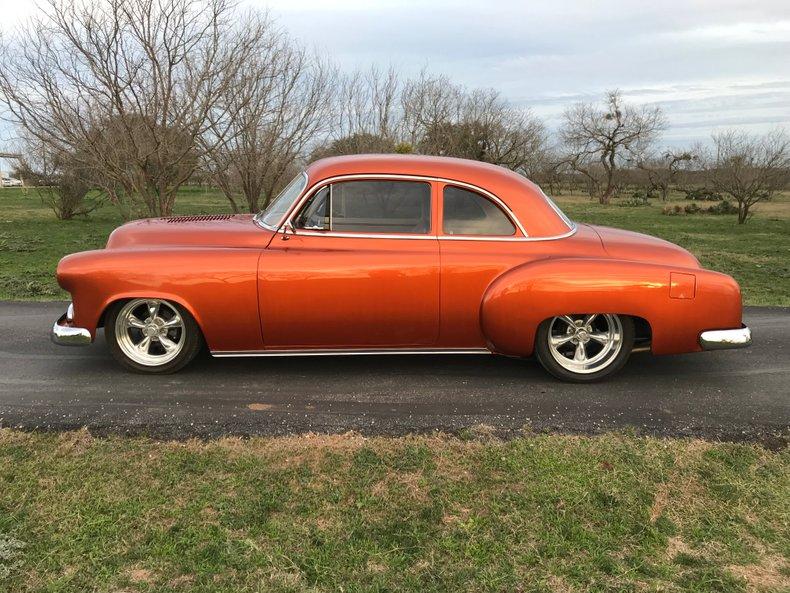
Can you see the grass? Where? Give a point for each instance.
(756, 254)
(345, 513)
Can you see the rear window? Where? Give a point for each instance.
(470, 213)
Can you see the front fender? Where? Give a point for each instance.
(678, 303)
(218, 286)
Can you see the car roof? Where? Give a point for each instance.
(533, 210)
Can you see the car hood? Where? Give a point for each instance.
(220, 230)
(628, 245)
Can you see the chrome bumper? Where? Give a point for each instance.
(65, 334)
(722, 339)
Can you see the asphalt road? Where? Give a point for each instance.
(732, 395)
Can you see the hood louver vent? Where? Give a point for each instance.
(199, 218)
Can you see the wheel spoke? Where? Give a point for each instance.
(581, 353)
(590, 318)
(134, 321)
(174, 322)
(560, 340)
(167, 343)
(569, 320)
(153, 309)
(144, 345)
(600, 337)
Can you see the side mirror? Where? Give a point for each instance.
(288, 228)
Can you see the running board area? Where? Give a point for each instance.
(344, 352)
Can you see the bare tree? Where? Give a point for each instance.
(604, 136)
(274, 110)
(750, 168)
(445, 119)
(127, 85)
(58, 179)
(367, 103)
(427, 102)
(661, 170)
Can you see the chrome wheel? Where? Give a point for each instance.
(150, 331)
(585, 343)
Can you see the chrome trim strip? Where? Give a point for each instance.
(723, 339)
(556, 209)
(257, 217)
(345, 352)
(396, 177)
(308, 233)
(300, 202)
(514, 239)
(64, 334)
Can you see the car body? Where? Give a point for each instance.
(10, 182)
(401, 254)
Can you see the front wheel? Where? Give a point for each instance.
(152, 335)
(583, 348)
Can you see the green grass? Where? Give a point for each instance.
(756, 254)
(344, 513)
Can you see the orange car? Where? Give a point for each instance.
(384, 254)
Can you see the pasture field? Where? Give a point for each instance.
(756, 254)
(424, 514)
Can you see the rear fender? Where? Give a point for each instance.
(678, 303)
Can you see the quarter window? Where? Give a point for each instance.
(396, 207)
(469, 213)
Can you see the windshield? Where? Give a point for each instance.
(275, 211)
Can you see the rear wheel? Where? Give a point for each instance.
(584, 347)
(152, 335)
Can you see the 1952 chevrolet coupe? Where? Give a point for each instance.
(385, 254)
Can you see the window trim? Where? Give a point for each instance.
(258, 218)
(429, 233)
(508, 214)
(288, 219)
(425, 178)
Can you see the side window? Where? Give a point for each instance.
(393, 207)
(315, 214)
(469, 213)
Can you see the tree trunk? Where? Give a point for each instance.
(608, 165)
(743, 212)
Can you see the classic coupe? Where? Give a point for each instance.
(389, 254)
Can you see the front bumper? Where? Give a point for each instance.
(65, 334)
(722, 339)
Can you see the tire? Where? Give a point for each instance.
(605, 339)
(173, 336)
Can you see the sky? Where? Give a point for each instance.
(710, 65)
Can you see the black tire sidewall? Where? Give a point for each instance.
(543, 354)
(192, 335)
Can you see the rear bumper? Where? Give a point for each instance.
(722, 339)
(65, 334)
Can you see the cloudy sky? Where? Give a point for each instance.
(709, 64)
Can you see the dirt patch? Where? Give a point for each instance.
(675, 546)
(140, 575)
(181, 581)
(74, 443)
(258, 407)
(769, 575)
(408, 483)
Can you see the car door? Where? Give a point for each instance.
(358, 268)
(479, 239)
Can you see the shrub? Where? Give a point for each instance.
(723, 207)
(640, 197)
(702, 194)
(673, 210)
(692, 209)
